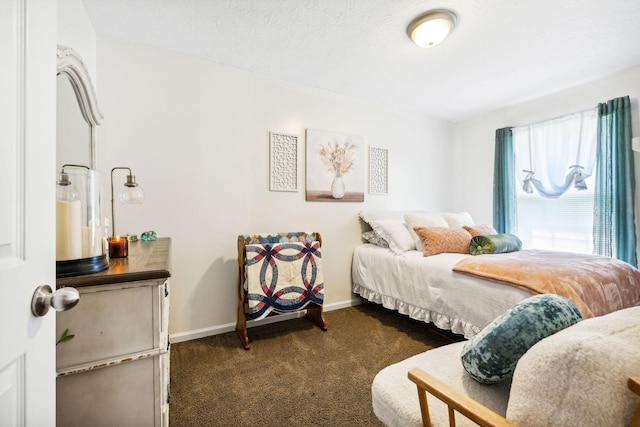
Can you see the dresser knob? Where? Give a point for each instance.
(60, 300)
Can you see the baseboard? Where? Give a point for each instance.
(230, 327)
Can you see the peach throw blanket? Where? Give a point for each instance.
(596, 284)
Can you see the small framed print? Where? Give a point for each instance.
(378, 170)
(283, 162)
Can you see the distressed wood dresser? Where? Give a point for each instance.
(115, 370)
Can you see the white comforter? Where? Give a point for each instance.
(425, 288)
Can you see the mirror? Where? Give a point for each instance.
(80, 227)
(77, 112)
(73, 133)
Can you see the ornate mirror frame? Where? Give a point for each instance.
(71, 64)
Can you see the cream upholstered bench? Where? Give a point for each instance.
(578, 376)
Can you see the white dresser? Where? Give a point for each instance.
(115, 370)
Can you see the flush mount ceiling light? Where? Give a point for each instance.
(431, 28)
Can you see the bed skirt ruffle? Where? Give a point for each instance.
(417, 313)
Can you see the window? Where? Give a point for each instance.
(555, 161)
(613, 184)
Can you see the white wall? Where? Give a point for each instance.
(76, 31)
(475, 139)
(196, 135)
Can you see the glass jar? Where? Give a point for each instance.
(80, 239)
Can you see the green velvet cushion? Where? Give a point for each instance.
(492, 355)
(494, 244)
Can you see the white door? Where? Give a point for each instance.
(27, 213)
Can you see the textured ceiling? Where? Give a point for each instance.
(502, 52)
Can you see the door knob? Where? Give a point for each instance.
(60, 300)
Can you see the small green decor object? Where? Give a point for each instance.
(148, 236)
(66, 336)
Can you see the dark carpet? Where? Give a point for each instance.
(295, 374)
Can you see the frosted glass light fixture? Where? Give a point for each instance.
(431, 28)
(130, 193)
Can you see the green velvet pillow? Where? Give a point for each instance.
(492, 355)
(494, 244)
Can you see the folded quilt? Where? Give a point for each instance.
(494, 244)
(283, 277)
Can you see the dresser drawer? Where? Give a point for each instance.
(129, 394)
(111, 321)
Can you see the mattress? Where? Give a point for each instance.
(426, 288)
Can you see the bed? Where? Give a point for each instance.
(394, 272)
(426, 289)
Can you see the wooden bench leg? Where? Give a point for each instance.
(634, 385)
(316, 314)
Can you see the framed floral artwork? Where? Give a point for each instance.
(335, 166)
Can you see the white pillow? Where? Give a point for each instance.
(457, 220)
(422, 220)
(368, 216)
(395, 232)
(391, 227)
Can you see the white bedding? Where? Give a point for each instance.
(425, 288)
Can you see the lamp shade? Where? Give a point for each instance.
(131, 195)
(431, 28)
(65, 190)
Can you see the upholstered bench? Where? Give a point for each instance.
(577, 376)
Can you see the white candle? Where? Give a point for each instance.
(91, 244)
(68, 230)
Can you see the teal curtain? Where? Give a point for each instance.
(504, 183)
(614, 230)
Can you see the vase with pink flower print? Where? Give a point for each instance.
(337, 187)
(338, 158)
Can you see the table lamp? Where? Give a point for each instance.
(130, 193)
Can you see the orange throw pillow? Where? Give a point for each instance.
(480, 230)
(437, 240)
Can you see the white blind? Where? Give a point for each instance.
(563, 224)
